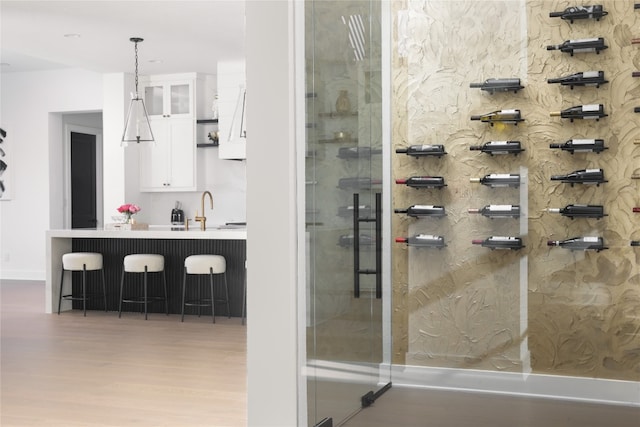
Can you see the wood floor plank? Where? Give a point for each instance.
(100, 370)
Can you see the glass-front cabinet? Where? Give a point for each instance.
(169, 98)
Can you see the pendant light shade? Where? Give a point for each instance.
(137, 127)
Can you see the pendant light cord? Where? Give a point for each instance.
(136, 40)
(136, 50)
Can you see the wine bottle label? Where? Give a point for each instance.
(509, 112)
(590, 239)
(580, 41)
(424, 207)
(500, 176)
(427, 237)
(591, 74)
(591, 107)
(494, 208)
(584, 50)
(583, 141)
(503, 239)
(592, 170)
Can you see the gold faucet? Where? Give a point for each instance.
(203, 219)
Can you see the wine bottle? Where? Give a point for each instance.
(635, 242)
(580, 243)
(581, 145)
(347, 211)
(423, 241)
(346, 240)
(580, 46)
(499, 147)
(587, 112)
(583, 176)
(500, 242)
(580, 12)
(636, 109)
(423, 150)
(499, 180)
(635, 41)
(358, 183)
(423, 182)
(357, 152)
(636, 210)
(499, 85)
(418, 211)
(585, 78)
(635, 74)
(500, 116)
(580, 211)
(498, 211)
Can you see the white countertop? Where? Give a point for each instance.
(154, 232)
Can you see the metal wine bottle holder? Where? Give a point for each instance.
(377, 219)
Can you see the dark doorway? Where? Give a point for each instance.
(83, 181)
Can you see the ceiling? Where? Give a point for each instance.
(184, 36)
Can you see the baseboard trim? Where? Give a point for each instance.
(29, 275)
(595, 390)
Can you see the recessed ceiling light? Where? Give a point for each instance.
(72, 36)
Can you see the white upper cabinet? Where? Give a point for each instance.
(232, 107)
(173, 102)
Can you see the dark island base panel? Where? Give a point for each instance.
(174, 251)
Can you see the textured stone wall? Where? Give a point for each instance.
(548, 309)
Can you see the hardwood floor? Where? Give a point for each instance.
(99, 370)
(73, 371)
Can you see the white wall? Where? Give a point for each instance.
(271, 216)
(32, 103)
(225, 179)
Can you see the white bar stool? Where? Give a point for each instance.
(81, 261)
(205, 264)
(143, 263)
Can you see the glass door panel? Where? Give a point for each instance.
(180, 98)
(343, 171)
(154, 100)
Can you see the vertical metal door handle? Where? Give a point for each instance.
(356, 245)
(379, 245)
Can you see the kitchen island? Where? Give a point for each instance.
(173, 245)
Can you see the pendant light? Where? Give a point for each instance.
(137, 128)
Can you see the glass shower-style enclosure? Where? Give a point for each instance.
(343, 219)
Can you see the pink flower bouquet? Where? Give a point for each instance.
(128, 210)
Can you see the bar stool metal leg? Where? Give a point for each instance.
(226, 291)
(184, 290)
(121, 288)
(104, 291)
(84, 289)
(213, 301)
(146, 299)
(60, 294)
(166, 295)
